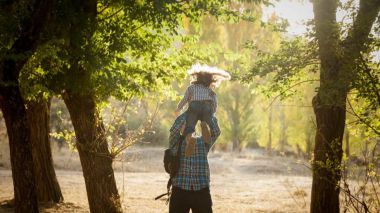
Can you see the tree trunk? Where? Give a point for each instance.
(79, 98)
(14, 112)
(365, 150)
(95, 157)
(336, 73)
(13, 106)
(283, 129)
(308, 143)
(235, 145)
(235, 123)
(48, 189)
(329, 109)
(327, 157)
(269, 144)
(347, 140)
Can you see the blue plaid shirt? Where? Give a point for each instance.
(194, 172)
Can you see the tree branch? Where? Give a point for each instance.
(105, 6)
(27, 41)
(358, 34)
(372, 79)
(113, 14)
(357, 37)
(362, 120)
(289, 88)
(327, 34)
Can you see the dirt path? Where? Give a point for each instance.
(247, 182)
(243, 193)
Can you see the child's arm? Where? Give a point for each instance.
(184, 100)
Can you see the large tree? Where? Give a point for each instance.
(37, 98)
(238, 111)
(38, 114)
(16, 49)
(103, 53)
(342, 55)
(338, 61)
(120, 49)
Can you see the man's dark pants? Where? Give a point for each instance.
(181, 201)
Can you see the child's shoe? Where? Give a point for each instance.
(190, 145)
(206, 136)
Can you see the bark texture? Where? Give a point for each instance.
(13, 106)
(48, 189)
(79, 98)
(337, 65)
(95, 157)
(327, 157)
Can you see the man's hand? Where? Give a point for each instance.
(206, 135)
(176, 113)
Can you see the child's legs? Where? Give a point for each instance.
(207, 113)
(192, 117)
(206, 118)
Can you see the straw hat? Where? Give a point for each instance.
(219, 75)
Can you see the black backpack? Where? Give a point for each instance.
(170, 162)
(171, 165)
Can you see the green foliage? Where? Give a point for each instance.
(61, 128)
(134, 47)
(37, 76)
(13, 14)
(294, 63)
(130, 49)
(225, 43)
(237, 115)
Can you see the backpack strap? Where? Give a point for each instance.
(178, 156)
(169, 184)
(167, 193)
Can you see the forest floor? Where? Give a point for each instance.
(250, 181)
